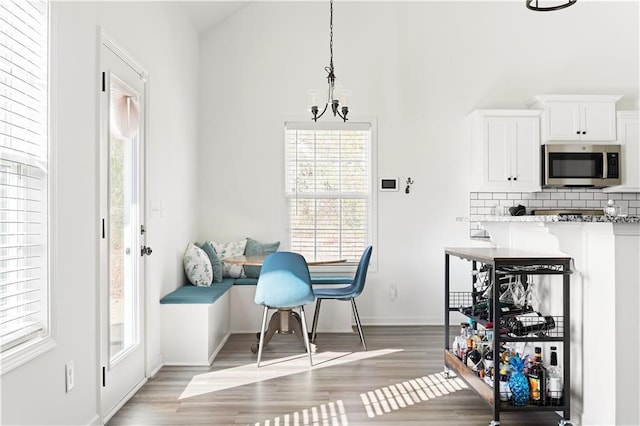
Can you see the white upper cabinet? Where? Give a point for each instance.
(577, 117)
(505, 150)
(629, 139)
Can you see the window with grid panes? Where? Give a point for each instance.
(328, 189)
(24, 295)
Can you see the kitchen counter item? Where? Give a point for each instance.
(566, 212)
(600, 218)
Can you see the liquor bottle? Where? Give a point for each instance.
(554, 380)
(487, 360)
(474, 358)
(537, 379)
(505, 391)
(465, 355)
(462, 347)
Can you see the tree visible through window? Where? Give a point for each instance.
(328, 189)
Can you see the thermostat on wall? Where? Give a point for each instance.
(388, 184)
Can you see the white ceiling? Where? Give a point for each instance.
(205, 14)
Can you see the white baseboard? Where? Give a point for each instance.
(219, 348)
(95, 421)
(402, 320)
(155, 366)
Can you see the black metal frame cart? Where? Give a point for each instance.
(500, 262)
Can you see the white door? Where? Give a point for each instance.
(122, 248)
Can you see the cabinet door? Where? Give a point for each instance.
(526, 154)
(629, 128)
(497, 168)
(562, 121)
(597, 121)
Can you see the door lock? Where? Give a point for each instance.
(145, 250)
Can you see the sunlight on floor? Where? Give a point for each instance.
(270, 369)
(376, 402)
(394, 397)
(327, 414)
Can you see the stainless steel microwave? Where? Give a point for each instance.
(581, 165)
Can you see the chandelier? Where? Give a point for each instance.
(337, 98)
(533, 5)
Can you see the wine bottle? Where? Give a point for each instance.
(532, 322)
(537, 379)
(474, 358)
(554, 380)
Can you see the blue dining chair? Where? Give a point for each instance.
(284, 283)
(349, 292)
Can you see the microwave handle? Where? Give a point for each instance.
(605, 165)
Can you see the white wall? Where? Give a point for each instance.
(159, 37)
(420, 67)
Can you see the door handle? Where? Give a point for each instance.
(145, 250)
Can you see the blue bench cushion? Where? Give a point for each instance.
(314, 280)
(245, 281)
(194, 294)
(331, 280)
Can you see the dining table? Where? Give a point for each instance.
(284, 320)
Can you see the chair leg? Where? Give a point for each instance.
(264, 325)
(314, 325)
(355, 314)
(304, 333)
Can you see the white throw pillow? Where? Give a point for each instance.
(197, 266)
(234, 248)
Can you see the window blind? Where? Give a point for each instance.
(328, 189)
(23, 171)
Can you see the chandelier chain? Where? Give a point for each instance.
(331, 76)
(331, 34)
(332, 96)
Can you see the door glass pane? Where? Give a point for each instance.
(123, 220)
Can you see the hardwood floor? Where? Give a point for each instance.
(387, 388)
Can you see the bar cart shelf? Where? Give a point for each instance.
(501, 262)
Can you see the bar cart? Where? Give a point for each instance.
(499, 263)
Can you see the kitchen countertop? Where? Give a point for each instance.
(553, 218)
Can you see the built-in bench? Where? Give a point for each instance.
(197, 321)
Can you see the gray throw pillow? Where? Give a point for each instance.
(216, 263)
(256, 248)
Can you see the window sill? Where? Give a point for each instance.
(346, 268)
(15, 357)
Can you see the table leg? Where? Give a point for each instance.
(283, 321)
(296, 326)
(272, 328)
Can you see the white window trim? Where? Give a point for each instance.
(346, 268)
(22, 354)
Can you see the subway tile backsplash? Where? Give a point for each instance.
(485, 203)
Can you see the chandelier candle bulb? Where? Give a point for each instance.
(312, 99)
(344, 98)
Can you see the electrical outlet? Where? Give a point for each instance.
(69, 375)
(393, 291)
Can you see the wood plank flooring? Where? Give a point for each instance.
(367, 391)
